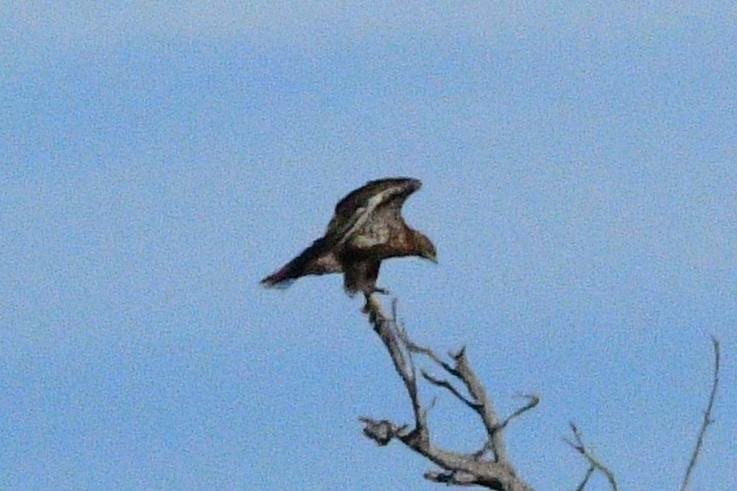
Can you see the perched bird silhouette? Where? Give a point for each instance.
(366, 229)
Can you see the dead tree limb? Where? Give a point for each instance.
(493, 472)
(595, 465)
(490, 466)
(707, 418)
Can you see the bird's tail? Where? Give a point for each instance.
(281, 278)
(306, 263)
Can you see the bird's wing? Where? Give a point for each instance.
(392, 186)
(384, 196)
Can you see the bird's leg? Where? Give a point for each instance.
(369, 300)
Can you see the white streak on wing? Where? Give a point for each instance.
(377, 235)
(363, 213)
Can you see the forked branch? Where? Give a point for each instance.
(461, 469)
(595, 465)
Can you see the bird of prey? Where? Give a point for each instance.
(366, 229)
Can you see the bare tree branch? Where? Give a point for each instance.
(402, 365)
(532, 401)
(415, 348)
(458, 468)
(494, 471)
(707, 418)
(589, 473)
(594, 463)
(450, 388)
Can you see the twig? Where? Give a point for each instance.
(594, 463)
(416, 348)
(533, 400)
(586, 478)
(707, 417)
(450, 388)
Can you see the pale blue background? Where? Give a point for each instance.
(157, 159)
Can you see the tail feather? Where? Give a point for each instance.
(308, 262)
(278, 279)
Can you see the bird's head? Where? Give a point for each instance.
(425, 248)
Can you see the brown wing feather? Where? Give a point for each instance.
(381, 198)
(399, 186)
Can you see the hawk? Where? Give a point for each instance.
(366, 229)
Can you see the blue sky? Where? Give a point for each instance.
(580, 183)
